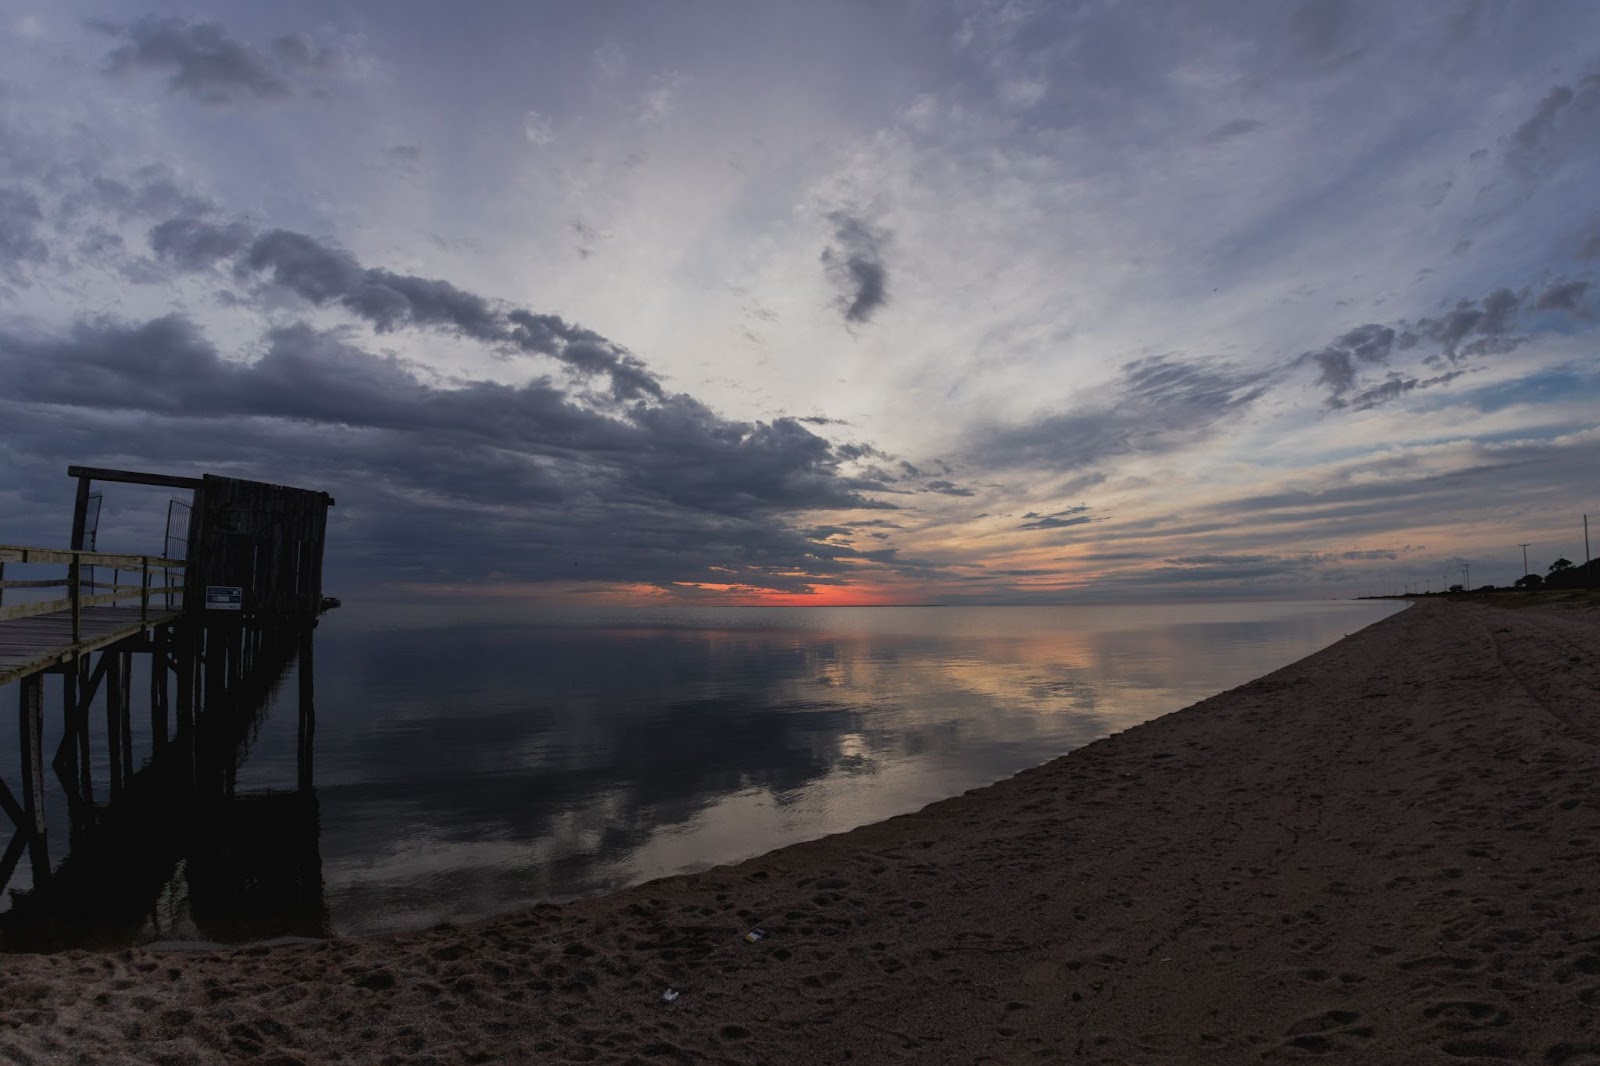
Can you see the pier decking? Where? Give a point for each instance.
(30, 645)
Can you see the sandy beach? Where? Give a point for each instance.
(1388, 852)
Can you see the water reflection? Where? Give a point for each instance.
(175, 850)
(480, 767)
(473, 767)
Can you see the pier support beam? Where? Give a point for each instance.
(308, 713)
(114, 739)
(30, 718)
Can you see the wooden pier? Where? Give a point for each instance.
(219, 627)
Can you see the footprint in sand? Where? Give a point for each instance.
(1333, 1032)
(1465, 1015)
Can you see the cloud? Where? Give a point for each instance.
(854, 263)
(1567, 297)
(1539, 126)
(1156, 405)
(197, 244)
(662, 98)
(325, 275)
(1072, 516)
(1470, 328)
(20, 239)
(201, 61)
(1229, 130)
(1336, 364)
(520, 480)
(537, 129)
(1566, 120)
(1395, 386)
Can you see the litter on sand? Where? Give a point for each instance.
(669, 995)
(755, 935)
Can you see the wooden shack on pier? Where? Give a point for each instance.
(220, 612)
(253, 547)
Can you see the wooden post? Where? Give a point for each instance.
(80, 711)
(114, 720)
(308, 712)
(74, 594)
(125, 713)
(80, 521)
(80, 513)
(144, 590)
(31, 721)
(158, 687)
(187, 636)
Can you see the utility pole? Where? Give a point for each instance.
(1466, 575)
(1588, 567)
(1524, 548)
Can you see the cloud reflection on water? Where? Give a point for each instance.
(475, 768)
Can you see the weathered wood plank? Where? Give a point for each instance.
(133, 477)
(28, 645)
(18, 553)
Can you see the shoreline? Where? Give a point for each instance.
(1403, 872)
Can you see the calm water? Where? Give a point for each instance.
(478, 764)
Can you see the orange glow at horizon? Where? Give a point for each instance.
(820, 596)
(681, 593)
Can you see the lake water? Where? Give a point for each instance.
(477, 763)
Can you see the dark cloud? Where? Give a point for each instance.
(196, 244)
(328, 275)
(1321, 37)
(1052, 522)
(203, 62)
(1564, 297)
(1488, 320)
(1337, 363)
(525, 481)
(1397, 385)
(947, 488)
(854, 263)
(307, 267)
(1156, 405)
(1472, 328)
(1567, 119)
(150, 191)
(20, 240)
(1072, 516)
(1538, 127)
(1229, 130)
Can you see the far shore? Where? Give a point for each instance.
(1387, 852)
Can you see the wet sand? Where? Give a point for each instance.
(1388, 852)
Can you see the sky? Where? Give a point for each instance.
(903, 301)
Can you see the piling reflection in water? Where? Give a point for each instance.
(174, 849)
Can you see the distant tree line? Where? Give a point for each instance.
(1562, 574)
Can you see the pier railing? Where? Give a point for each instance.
(81, 593)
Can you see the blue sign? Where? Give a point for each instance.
(224, 598)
